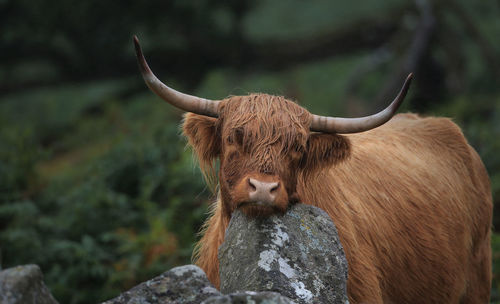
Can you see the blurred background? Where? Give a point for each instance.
(96, 185)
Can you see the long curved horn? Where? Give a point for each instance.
(353, 125)
(180, 100)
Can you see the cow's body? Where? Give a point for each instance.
(411, 199)
(412, 205)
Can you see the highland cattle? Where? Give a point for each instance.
(410, 197)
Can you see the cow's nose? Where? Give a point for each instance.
(262, 191)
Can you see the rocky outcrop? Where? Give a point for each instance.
(297, 254)
(24, 285)
(250, 297)
(291, 258)
(185, 284)
(189, 285)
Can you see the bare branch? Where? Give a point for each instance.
(419, 45)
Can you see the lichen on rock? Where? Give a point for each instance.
(250, 297)
(184, 284)
(24, 285)
(297, 254)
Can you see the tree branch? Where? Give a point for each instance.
(419, 45)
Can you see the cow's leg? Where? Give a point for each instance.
(363, 285)
(479, 276)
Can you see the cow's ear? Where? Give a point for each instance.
(203, 137)
(324, 150)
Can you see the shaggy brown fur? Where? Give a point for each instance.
(411, 199)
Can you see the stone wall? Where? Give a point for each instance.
(292, 258)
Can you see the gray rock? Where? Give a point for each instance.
(185, 284)
(250, 297)
(297, 254)
(24, 285)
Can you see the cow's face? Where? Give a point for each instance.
(264, 144)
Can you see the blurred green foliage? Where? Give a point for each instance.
(96, 185)
(101, 216)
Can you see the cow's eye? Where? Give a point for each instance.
(232, 156)
(238, 136)
(298, 148)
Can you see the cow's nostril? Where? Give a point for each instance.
(274, 188)
(251, 185)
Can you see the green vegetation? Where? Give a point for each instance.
(98, 216)
(96, 185)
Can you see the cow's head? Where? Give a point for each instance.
(263, 142)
